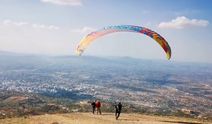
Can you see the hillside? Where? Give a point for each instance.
(105, 118)
(49, 84)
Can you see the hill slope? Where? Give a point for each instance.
(106, 118)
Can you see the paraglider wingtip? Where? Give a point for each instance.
(168, 57)
(79, 52)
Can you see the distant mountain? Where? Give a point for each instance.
(156, 86)
(24, 60)
(5, 53)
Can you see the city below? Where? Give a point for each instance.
(152, 86)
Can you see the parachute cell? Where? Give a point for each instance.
(123, 28)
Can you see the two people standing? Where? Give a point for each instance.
(96, 105)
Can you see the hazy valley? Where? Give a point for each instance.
(144, 86)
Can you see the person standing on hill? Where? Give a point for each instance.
(118, 108)
(93, 104)
(98, 107)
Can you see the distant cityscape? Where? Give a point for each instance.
(164, 85)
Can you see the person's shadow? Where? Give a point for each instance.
(181, 122)
(125, 119)
(107, 114)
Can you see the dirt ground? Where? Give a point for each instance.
(105, 118)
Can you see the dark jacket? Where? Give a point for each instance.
(93, 104)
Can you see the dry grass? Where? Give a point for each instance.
(106, 118)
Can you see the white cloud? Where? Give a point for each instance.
(84, 30)
(42, 26)
(9, 22)
(53, 27)
(64, 2)
(34, 38)
(183, 22)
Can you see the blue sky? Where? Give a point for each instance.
(54, 27)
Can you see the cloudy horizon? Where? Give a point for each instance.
(55, 27)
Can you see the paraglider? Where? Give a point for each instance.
(123, 28)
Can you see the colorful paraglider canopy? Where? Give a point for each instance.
(123, 28)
